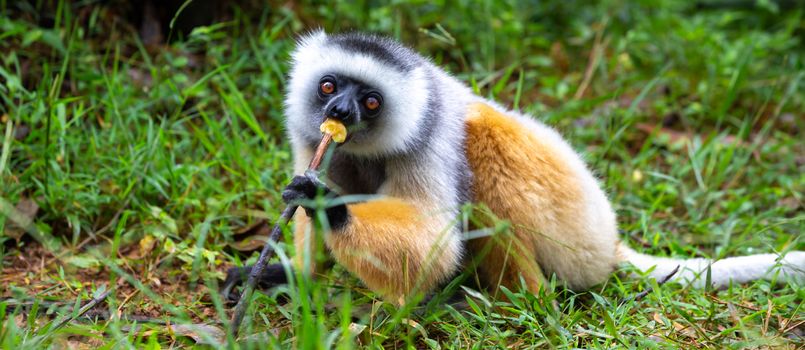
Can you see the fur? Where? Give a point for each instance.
(524, 174)
(435, 146)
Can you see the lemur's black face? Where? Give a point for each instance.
(349, 101)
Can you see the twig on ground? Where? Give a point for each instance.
(722, 302)
(595, 55)
(643, 294)
(89, 315)
(63, 321)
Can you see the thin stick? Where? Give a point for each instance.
(89, 315)
(326, 139)
(60, 323)
(267, 253)
(643, 294)
(595, 55)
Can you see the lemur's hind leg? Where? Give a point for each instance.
(524, 174)
(503, 259)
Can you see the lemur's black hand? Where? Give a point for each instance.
(305, 187)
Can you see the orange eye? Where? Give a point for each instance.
(372, 103)
(327, 87)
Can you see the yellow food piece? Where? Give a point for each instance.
(334, 128)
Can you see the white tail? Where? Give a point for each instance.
(783, 268)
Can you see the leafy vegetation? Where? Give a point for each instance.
(138, 168)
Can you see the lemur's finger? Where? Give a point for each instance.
(313, 176)
(234, 277)
(301, 187)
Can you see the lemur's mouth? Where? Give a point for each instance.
(361, 129)
(346, 139)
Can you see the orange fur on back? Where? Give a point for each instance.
(523, 180)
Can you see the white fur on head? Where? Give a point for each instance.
(404, 94)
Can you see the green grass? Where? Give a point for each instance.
(146, 163)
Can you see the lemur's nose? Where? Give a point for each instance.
(340, 111)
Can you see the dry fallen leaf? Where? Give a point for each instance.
(79, 342)
(144, 247)
(356, 329)
(249, 244)
(200, 333)
(21, 218)
(147, 244)
(255, 234)
(262, 336)
(687, 331)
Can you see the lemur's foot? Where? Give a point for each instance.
(272, 276)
